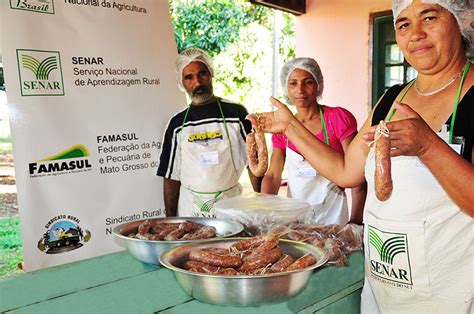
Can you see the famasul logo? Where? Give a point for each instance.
(40, 73)
(60, 163)
(41, 6)
(389, 258)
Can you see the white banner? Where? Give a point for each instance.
(90, 86)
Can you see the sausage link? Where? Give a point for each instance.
(175, 235)
(190, 226)
(164, 229)
(217, 250)
(258, 260)
(227, 271)
(205, 232)
(257, 153)
(248, 244)
(302, 262)
(200, 267)
(144, 227)
(269, 242)
(282, 263)
(215, 259)
(383, 172)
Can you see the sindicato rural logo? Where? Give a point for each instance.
(41, 6)
(71, 160)
(40, 73)
(63, 234)
(389, 258)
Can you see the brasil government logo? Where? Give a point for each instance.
(71, 160)
(63, 234)
(389, 258)
(40, 73)
(41, 6)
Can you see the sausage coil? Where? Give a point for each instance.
(257, 153)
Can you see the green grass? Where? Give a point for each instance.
(5, 136)
(11, 249)
(5, 147)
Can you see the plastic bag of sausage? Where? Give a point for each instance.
(338, 241)
(260, 212)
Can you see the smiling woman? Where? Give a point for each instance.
(303, 85)
(432, 203)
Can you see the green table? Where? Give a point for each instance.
(117, 282)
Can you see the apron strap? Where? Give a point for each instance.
(323, 126)
(456, 101)
(216, 194)
(227, 132)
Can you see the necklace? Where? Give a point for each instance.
(425, 94)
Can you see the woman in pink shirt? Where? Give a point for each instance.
(303, 85)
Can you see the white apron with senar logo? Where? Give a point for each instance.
(328, 201)
(418, 245)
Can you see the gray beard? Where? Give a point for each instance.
(202, 98)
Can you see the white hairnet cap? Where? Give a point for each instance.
(461, 9)
(190, 55)
(307, 64)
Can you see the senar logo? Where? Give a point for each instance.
(389, 258)
(40, 73)
(40, 69)
(389, 249)
(60, 163)
(41, 6)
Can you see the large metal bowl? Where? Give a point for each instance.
(242, 290)
(149, 251)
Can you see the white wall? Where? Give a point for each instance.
(336, 33)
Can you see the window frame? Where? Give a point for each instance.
(379, 62)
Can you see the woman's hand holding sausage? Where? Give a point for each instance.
(272, 122)
(410, 136)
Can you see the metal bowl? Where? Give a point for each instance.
(242, 290)
(149, 251)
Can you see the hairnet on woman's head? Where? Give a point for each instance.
(307, 64)
(190, 55)
(461, 9)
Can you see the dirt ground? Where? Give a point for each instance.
(8, 199)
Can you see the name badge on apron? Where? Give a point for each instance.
(457, 145)
(305, 171)
(209, 158)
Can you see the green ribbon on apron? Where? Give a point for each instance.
(456, 102)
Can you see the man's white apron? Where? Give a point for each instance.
(328, 201)
(208, 174)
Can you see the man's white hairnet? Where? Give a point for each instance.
(186, 57)
(307, 64)
(461, 9)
